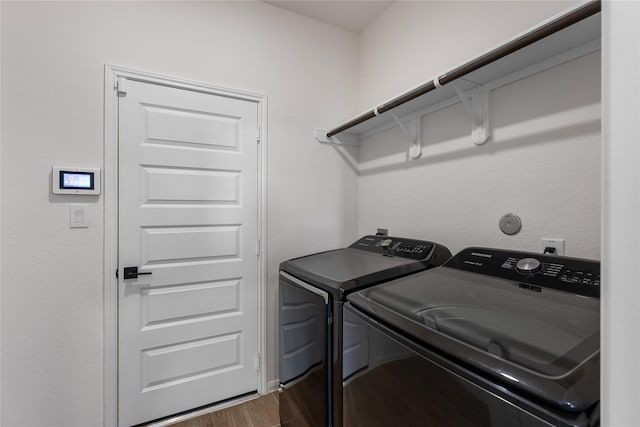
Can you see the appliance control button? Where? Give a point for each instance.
(528, 265)
(386, 243)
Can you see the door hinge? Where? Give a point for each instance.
(258, 361)
(121, 86)
(258, 138)
(258, 247)
(117, 274)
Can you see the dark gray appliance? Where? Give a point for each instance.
(313, 290)
(492, 338)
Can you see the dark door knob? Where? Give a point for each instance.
(132, 273)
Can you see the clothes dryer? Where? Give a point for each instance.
(313, 290)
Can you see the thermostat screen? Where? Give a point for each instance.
(76, 180)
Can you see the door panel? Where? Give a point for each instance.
(171, 303)
(164, 366)
(191, 127)
(195, 186)
(174, 244)
(188, 215)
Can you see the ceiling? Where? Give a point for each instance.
(352, 15)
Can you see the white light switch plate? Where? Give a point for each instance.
(78, 216)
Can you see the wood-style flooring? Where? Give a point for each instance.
(260, 412)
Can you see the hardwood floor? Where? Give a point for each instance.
(260, 412)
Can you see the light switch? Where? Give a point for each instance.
(78, 216)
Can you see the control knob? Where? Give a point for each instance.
(386, 247)
(528, 265)
(386, 243)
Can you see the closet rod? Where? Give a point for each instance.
(525, 40)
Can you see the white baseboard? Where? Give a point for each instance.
(204, 411)
(273, 385)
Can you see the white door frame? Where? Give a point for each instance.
(110, 180)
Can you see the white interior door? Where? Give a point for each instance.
(188, 215)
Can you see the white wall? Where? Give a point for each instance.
(542, 162)
(53, 56)
(411, 42)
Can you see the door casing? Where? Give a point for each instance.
(110, 202)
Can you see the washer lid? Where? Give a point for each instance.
(347, 264)
(541, 340)
(368, 261)
(347, 269)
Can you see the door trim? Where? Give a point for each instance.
(110, 182)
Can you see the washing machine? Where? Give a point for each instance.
(313, 290)
(492, 338)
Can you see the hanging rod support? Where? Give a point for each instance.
(467, 106)
(414, 136)
(471, 81)
(478, 109)
(345, 138)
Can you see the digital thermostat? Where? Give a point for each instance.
(75, 180)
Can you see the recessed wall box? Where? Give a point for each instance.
(78, 181)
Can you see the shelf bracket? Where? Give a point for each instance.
(344, 138)
(413, 134)
(478, 108)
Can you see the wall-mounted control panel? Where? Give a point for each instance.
(78, 181)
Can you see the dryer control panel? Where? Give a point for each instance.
(575, 275)
(395, 246)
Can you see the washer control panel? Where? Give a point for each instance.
(580, 276)
(395, 246)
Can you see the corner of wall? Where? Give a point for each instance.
(620, 320)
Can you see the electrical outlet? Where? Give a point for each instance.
(382, 232)
(557, 244)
